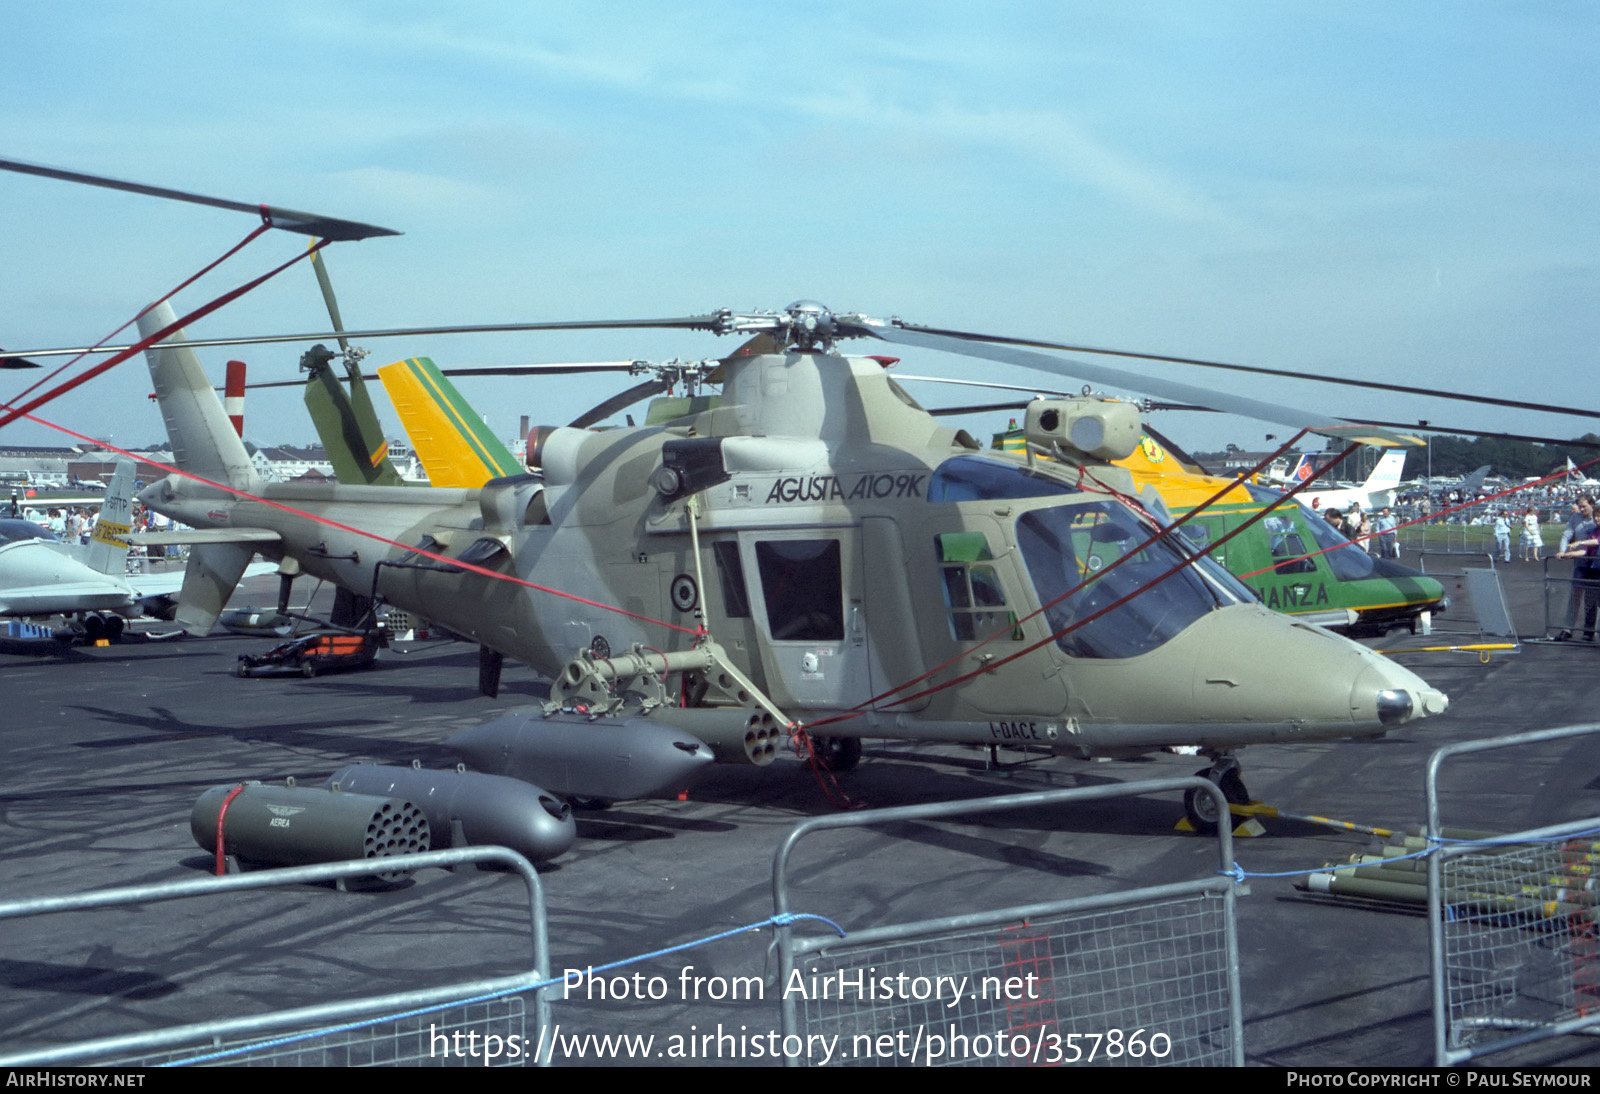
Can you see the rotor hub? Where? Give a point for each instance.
(811, 326)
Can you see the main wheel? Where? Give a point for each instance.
(839, 753)
(308, 668)
(1201, 808)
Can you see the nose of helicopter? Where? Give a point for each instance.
(1317, 682)
(1392, 694)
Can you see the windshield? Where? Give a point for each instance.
(1066, 544)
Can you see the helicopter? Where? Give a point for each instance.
(1297, 562)
(1292, 558)
(817, 552)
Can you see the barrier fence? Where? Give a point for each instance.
(1149, 975)
(1477, 602)
(1514, 951)
(414, 1027)
(1568, 602)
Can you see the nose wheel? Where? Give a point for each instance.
(1201, 808)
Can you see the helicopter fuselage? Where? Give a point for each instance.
(854, 555)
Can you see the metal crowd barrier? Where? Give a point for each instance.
(1477, 602)
(1148, 975)
(1513, 943)
(1565, 600)
(414, 1027)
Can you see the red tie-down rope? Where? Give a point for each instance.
(144, 343)
(190, 280)
(222, 815)
(455, 562)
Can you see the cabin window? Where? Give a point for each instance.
(801, 583)
(730, 571)
(15, 531)
(973, 596)
(1198, 533)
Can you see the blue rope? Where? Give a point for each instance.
(784, 920)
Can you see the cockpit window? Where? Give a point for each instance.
(14, 531)
(1349, 562)
(974, 478)
(1064, 545)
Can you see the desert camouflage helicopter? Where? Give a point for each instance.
(817, 545)
(814, 553)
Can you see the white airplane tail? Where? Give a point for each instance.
(108, 545)
(1386, 475)
(203, 440)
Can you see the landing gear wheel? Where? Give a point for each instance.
(241, 670)
(114, 625)
(308, 669)
(1201, 808)
(94, 628)
(838, 753)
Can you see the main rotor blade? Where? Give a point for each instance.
(898, 376)
(1373, 385)
(17, 362)
(620, 401)
(276, 216)
(329, 299)
(493, 370)
(956, 411)
(1113, 377)
(688, 322)
(1480, 433)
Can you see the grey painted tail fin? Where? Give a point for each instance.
(203, 440)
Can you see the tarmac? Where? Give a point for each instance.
(108, 748)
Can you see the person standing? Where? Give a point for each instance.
(1384, 526)
(1530, 535)
(1355, 525)
(1582, 548)
(1502, 535)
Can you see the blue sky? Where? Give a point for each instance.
(1403, 192)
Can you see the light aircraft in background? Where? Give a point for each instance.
(1378, 491)
(45, 581)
